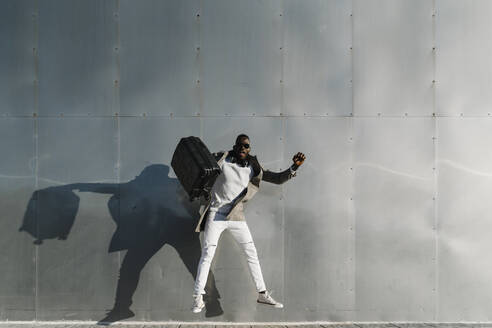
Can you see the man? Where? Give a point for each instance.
(238, 182)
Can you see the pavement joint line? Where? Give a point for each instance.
(181, 324)
(184, 324)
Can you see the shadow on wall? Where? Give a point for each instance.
(150, 211)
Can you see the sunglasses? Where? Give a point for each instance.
(245, 145)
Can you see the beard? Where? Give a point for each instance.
(241, 161)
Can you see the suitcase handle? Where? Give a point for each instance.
(196, 193)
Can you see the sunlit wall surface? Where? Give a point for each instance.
(388, 219)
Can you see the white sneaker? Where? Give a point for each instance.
(266, 298)
(198, 303)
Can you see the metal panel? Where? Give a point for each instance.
(392, 57)
(159, 57)
(464, 49)
(319, 234)
(464, 223)
(240, 51)
(317, 63)
(394, 213)
(264, 217)
(76, 275)
(76, 57)
(152, 196)
(17, 64)
(17, 182)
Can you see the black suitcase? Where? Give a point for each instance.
(195, 167)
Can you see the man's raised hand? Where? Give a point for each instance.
(298, 159)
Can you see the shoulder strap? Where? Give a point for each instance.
(223, 157)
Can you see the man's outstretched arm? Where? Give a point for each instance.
(281, 177)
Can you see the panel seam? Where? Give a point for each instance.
(435, 168)
(35, 17)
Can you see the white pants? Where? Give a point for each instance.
(216, 223)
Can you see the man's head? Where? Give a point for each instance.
(242, 146)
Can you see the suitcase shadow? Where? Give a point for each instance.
(50, 213)
(150, 211)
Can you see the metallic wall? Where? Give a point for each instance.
(388, 219)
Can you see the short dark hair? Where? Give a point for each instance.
(240, 137)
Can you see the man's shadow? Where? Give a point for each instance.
(150, 211)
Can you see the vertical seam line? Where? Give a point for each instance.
(35, 16)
